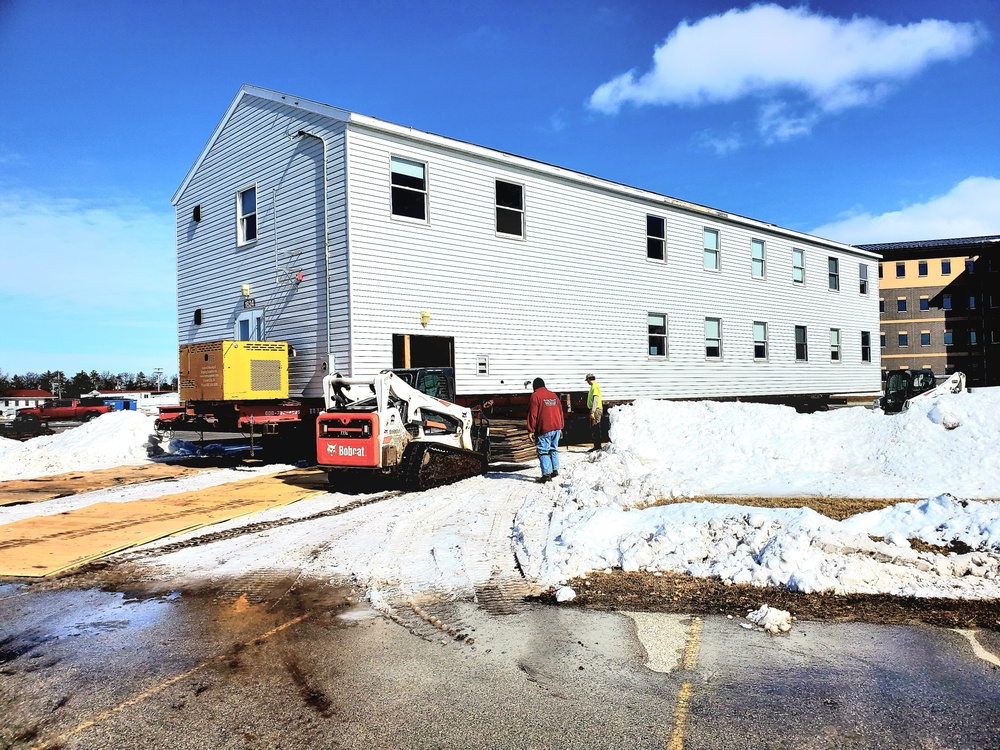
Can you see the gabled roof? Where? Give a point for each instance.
(453, 144)
(922, 244)
(27, 393)
(247, 90)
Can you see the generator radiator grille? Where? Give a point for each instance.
(265, 375)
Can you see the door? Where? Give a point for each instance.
(410, 351)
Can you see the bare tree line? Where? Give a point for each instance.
(56, 382)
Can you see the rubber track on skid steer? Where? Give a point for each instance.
(427, 465)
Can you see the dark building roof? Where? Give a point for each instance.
(921, 244)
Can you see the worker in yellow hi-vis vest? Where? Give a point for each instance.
(596, 407)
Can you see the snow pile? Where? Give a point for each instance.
(113, 439)
(771, 620)
(676, 449)
(595, 519)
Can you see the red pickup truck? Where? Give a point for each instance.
(73, 409)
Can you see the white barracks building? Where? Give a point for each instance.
(372, 245)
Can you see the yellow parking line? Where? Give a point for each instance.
(689, 661)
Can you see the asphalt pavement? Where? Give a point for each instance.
(287, 663)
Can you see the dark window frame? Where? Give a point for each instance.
(404, 187)
(658, 335)
(510, 210)
(656, 243)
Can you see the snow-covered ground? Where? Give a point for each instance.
(114, 439)
(944, 453)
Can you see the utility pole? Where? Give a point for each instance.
(158, 373)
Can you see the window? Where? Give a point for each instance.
(904, 338)
(409, 188)
(757, 267)
(880, 270)
(246, 213)
(656, 238)
(833, 267)
(900, 270)
(925, 303)
(922, 268)
(901, 304)
(834, 344)
(973, 338)
(249, 326)
(759, 340)
(994, 336)
(925, 338)
(863, 276)
(798, 266)
(866, 346)
(510, 208)
(711, 242)
(970, 265)
(482, 365)
(801, 344)
(657, 335)
(881, 339)
(945, 301)
(949, 338)
(713, 338)
(972, 302)
(945, 267)
(994, 300)
(881, 305)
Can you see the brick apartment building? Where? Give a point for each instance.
(939, 303)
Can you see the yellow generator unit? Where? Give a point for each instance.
(234, 371)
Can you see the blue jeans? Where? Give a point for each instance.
(547, 445)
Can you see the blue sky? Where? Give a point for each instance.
(863, 121)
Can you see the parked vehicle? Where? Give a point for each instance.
(24, 427)
(70, 409)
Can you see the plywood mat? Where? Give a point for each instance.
(47, 545)
(18, 491)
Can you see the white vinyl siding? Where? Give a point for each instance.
(212, 265)
(570, 297)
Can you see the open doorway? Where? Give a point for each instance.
(422, 351)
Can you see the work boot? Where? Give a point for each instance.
(554, 474)
(544, 478)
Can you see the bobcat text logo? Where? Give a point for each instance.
(345, 450)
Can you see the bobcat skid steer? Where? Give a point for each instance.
(396, 430)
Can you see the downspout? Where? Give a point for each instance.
(330, 359)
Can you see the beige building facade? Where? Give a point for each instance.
(939, 305)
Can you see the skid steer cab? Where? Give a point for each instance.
(399, 426)
(903, 386)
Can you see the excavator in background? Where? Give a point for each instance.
(399, 425)
(904, 386)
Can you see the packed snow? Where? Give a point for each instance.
(942, 454)
(596, 519)
(117, 438)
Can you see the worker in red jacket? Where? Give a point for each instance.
(545, 422)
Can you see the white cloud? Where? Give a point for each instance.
(769, 51)
(85, 285)
(720, 144)
(75, 251)
(970, 209)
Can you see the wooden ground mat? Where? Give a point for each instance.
(47, 545)
(18, 491)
